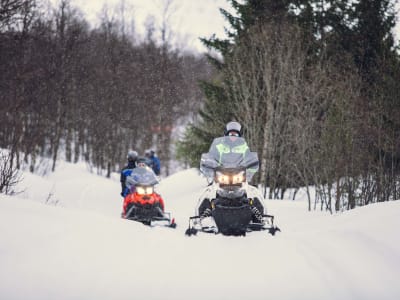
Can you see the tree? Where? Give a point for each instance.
(16, 18)
(16, 14)
(9, 175)
(286, 104)
(217, 109)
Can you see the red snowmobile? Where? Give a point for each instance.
(143, 204)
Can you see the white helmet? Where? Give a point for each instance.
(132, 155)
(233, 126)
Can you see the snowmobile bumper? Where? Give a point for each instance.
(152, 218)
(195, 225)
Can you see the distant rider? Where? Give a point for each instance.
(155, 162)
(127, 170)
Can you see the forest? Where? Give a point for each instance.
(91, 93)
(314, 84)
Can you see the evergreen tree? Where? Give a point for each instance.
(375, 20)
(218, 108)
(343, 39)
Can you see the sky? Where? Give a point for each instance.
(188, 19)
(62, 238)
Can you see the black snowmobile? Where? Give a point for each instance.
(143, 204)
(230, 205)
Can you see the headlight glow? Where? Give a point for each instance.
(222, 178)
(230, 178)
(238, 178)
(144, 190)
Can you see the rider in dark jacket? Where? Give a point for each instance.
(126, 171)
(155, 162)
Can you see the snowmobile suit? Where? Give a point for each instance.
(126, 171)
(237, 145)
(155, 161)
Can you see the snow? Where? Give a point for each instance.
(63, 238)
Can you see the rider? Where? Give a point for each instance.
(143, 161)
(127, 170)
(233, 130)
(155, 162)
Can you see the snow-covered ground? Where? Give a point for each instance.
(62, 238)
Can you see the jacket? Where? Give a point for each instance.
(126, 171)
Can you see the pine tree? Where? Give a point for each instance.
(218, 109)
(375, 20)
(350, 43)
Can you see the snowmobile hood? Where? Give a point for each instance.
(143, 176)
(230, 153)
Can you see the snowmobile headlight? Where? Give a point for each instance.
(222, 178)
(144, 190)
(238, 177)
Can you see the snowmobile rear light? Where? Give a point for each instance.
(144, 190)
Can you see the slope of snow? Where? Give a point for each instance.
(62, 238)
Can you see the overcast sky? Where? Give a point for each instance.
(187, 19)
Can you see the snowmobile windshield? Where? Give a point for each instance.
(229, 153)
(143, 176)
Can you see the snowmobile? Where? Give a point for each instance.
(143, 204)
(230, 205)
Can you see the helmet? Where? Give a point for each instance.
(149, 152)
(233, 127)
(143, 161)
(132, 155)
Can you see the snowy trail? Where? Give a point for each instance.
(82, 249)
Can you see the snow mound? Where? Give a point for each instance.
(79, 247)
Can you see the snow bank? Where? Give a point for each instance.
(79, 248)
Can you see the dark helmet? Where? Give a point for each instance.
(143, 161)
(233, 127)
(132, 155)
